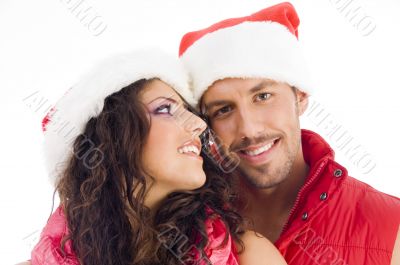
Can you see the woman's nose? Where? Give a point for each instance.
(195, 125)
(198, 126)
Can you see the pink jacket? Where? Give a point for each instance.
(48, 249)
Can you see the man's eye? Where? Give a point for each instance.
(263, 96)
(222, 111)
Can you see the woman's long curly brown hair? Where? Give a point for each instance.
(104, 204)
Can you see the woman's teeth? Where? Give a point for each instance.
(189, 148)
(259, 150)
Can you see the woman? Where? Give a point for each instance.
(124, 150)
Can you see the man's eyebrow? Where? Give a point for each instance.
(262, 85)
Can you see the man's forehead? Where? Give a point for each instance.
(246, 82)
(227, 86)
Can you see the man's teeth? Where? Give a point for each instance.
(189, 148)
(259, 150)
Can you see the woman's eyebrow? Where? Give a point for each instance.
(171, 99)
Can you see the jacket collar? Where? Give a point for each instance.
(315, 148)
(323, 178)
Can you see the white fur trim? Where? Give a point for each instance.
(86, 99)
(248, 50)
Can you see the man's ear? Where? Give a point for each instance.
(302, 101)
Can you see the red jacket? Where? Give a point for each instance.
(337, 219)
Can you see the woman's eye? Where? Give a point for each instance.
(163, 109)
(263, 96)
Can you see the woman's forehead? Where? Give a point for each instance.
(158, 89)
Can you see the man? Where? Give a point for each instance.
(250, 81)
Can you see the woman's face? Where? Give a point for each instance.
(171, 154)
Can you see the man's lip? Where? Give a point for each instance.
(260, 158)
(255, 147)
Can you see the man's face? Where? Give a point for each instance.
(258, 119)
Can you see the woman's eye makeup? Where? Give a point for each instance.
(163, 109)
(165, 106)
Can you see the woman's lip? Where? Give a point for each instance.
(260, 158)
(193, 155)
(196, 143)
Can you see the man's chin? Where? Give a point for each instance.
(260, 178)
(258, 183)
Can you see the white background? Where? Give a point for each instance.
(44, 48)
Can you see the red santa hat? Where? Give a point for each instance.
(262, 45)
(84, 100)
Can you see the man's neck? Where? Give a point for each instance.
(269, 208)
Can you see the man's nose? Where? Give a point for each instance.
(249, 124)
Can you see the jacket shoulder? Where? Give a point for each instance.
(371, 199)
(372, 216)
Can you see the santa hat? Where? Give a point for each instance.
(262, 45)
(69, 116)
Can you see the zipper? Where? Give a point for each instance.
(300, 195)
